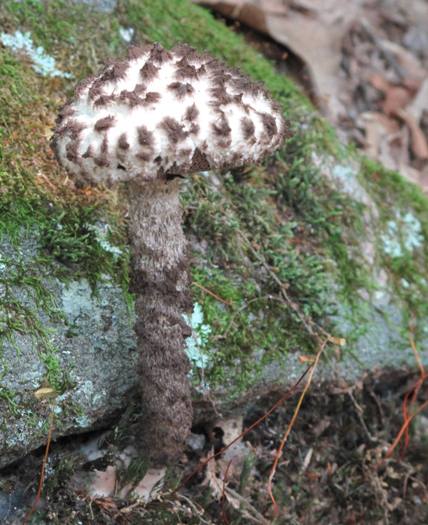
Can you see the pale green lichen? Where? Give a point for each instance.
(126, 33)
(196, 344)
(102, 234)
(42, 62)
(404, 234)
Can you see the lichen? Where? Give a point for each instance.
(403, 234)
(197, 344)
(126, 33)
(42, 63)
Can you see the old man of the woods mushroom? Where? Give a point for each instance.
(147, 121)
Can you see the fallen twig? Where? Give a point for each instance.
(42, 472)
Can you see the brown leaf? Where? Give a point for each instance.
(396, 98)
(418, 143)
(420, 102)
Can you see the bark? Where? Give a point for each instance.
(161, 283)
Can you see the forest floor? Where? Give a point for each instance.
(335, 469)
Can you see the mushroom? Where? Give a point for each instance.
(148, 121)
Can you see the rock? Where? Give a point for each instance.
(89, 351)
(104, 6)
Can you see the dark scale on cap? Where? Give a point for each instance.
(246, 85)
(104, 100)
(71, 150)
(181, 89)
(173, 129)
(81, 87)
(213, 65)
(115, 72)
(104, 146)
(145, 156)
(104, 123)
(236, 159)
(88, 153)
(72, 128)
(220, 126)
(122, 142)
(152, 97)
(76, 128)
(145, 137)
(66, 112)
(269, 125)
(217, 78)
(130, 98)
(159, 54)
(102, 161)
(224, 142)
(194, 129)
(140, 89)
(186, 72)
(184, 50)
(95, 91)
(248, 128)
(199, 161)
(149, 71)
(220, 97)
(191, 113)
(135, 52)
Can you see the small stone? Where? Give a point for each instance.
(196, 442)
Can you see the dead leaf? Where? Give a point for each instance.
(396, 98)
(412, 70)
(217, 485)
(290, 23)
(150, 485)
(103, 483)
(419, 103)
(378, 128)
(45, 393)
(419, 144)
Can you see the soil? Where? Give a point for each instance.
(335, 468)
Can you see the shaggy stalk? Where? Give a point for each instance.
(161, 283)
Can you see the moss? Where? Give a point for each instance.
(397, 199)
(34, 202)
(8, 396)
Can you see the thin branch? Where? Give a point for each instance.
(209, 292)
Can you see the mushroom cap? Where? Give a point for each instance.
(161, 113)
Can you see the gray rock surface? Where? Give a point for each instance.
(89, 348)
(105, 6)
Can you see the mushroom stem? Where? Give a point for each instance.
(161, 282)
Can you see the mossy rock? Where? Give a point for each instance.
(316, 241)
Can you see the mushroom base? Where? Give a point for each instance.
(161, 284)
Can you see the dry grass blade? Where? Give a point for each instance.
(404, 431)
(291, 424)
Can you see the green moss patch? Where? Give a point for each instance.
(402, 235)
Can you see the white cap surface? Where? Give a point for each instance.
(164, 113)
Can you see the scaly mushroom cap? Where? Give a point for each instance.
(164, 113)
